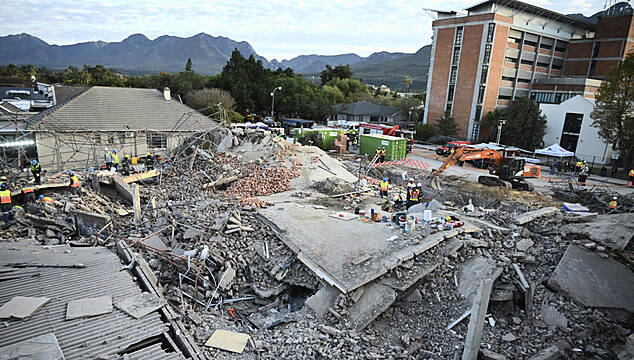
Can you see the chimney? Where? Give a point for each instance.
(166, 94)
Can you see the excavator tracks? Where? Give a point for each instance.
(494, 181)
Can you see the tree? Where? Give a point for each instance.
(447, 125)
(338, 72)
(488, 125)
(614, 111)
(188, 66)
(199, 99)
(525, 125)
(424, 132)
(407, 81)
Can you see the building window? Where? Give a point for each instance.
(561, 46)
(487, 53)
(448, 109)
(481, 94)
(156, 140)
(556, 66)
(456, 54)
(527, 62)
(111, 139)
(572, 123)
(360, 118)
(97, 138)
(490, 32)
(485, 73)
(458, 36)
(595, 51)
(454, 74)
(509, 59)
(475, 131)
(478, 113)
(593, 65)
(450, 93)
(543, 97)
(525, 81)
(530, 43)
(545, 46)
(122, 138)
(508, 78)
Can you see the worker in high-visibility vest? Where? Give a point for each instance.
(5, 202)
(631, 177)
(613, 204)
(378, 154)
(74, 183)
(383, 187)
(36, 170)
(125, 165)
(28, 194)
(414, 196)
(149, 161)
(46, 199)
(115, 159)
(578, 166)
(107, 157)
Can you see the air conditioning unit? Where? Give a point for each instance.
(129, 134)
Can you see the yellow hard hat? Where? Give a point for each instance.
(148, 154)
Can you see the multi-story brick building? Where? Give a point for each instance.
(504, 49)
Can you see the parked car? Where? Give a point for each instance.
(446, 150)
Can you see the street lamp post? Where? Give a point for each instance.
(273, 100)
(500, 123)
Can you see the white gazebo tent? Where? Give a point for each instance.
(555, 150)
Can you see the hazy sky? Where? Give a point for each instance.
(275, 28)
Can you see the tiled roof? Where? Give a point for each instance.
(64, 93)
(366, 108)
(102, 336)
(121, 109)
(8, 108)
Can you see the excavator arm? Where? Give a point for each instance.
(464, 154)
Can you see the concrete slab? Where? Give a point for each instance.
(43, 347)
(593, 280)
(614, 231)
(140, 305)
(89, 307)
(322, 300)
(375, 300)
(532, 215)
(22, 307)
(228, 340)
(473, 271)
(156, 242)
(332, 248)
(476, 321)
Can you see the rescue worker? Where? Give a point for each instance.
(4, 180)
(578, 167)
(383, 154)
(378, 154)
(383, 187)
(74, 183)
(107, 156)
(5, 202)
(125, 165)
(28, 195)
(149, 162)
(631, 178)
(46, 199)
(115, 159)
(613, 204)
(414, 196)
(36, 170)
(583, 174)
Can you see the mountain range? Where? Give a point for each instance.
(137, 55)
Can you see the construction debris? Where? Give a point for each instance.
(22, 307)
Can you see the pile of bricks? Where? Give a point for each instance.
(262, 181)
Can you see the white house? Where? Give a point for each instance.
(569, 125)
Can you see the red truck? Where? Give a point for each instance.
(395, 130)
(446, 150)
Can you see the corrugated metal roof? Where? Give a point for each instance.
(121, 109)
(105, 335)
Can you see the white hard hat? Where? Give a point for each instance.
(614, 198)
(411, 179)
(419, 185)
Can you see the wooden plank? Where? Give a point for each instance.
(141, 176)
(136, 203)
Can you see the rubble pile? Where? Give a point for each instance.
(596, 198)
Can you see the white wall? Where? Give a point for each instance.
(589, 145)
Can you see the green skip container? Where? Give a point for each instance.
(395, 147)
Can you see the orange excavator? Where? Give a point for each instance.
(507, 171)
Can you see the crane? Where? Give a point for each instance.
(507, 171)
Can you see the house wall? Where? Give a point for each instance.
(59, 151)
(589, 146)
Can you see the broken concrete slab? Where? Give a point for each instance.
(490, 355)
(473, 272)
(142, 176)
(322, 300)
(476, 321)
(593, 280)
(375, 300)
(88, 222)
(43, 347)
(532, 215)
(228, 341)
(227, 278)
(553, 318)
(550, 353)
(333, 255)
(140, 305)
(156, 242)
(524, 244)
(268, 321)
(22, 307)
(614, 231)
(89, 307)
(123, 188)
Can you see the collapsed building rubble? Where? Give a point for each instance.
(257, 244)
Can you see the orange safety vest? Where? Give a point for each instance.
(27, 190)
(612, 204)
(383, 152)
(5, 197)
(378, 152)
(413, 195)
(632, 173)
(383, 185)
(48, 199)
(75, 181)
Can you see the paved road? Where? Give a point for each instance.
(540, 184)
